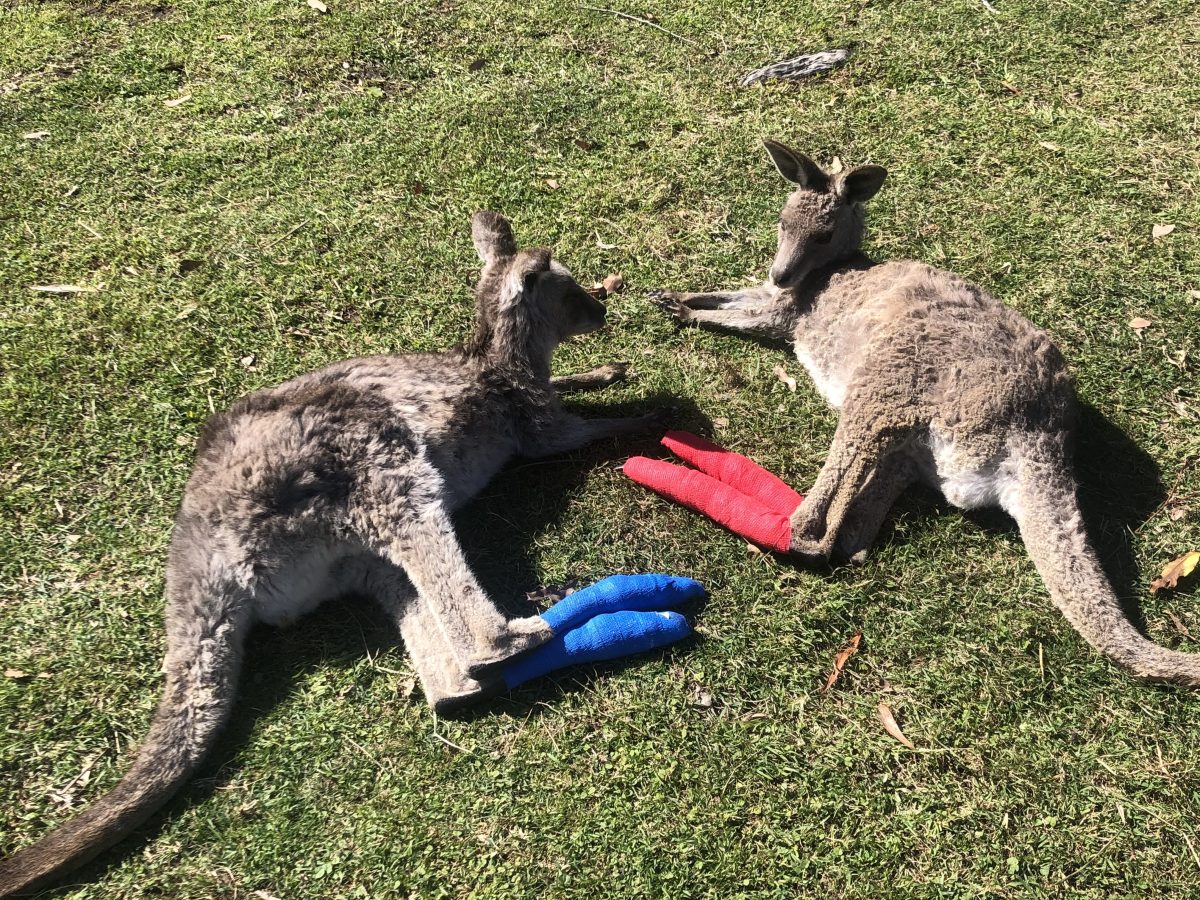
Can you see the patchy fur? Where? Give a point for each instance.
(344, 480)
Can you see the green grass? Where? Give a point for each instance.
(311, 201)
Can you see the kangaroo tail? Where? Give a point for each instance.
(202, 668)
(1047, 511)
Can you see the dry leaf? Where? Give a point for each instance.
(839, 661)
(15, 674)
(318, 6)
(1195, 295)
(720, 422)
(264, 895)
(1138, 323)
(890, 726)
(1012, 89)
(63, 288)
(476, 65)
(178, 100)
(1177, 514)
(701, 699)
(614, 283)
(549, 594)
(406, 686)
(583, 145)
(781, 373)
(248, 361)
(552, 184)
(1049, 145)
(36, 135)
(1161, 231)
(1180, 567)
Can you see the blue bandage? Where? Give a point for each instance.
(603, 637)
(617, 616)
(644, 593)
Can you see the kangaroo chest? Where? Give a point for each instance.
(832, 348)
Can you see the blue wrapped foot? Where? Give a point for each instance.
(617, 616)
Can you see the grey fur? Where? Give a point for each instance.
(935, 380)
(344, 480)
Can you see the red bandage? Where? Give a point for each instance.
(725, 486)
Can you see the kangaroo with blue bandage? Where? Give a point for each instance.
(343, 481)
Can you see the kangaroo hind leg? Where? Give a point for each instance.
(894, 474)
(411, 528)
(435, 659)
(857, 485)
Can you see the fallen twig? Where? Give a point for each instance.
(450, 743)
(798, 66)
(613, 12)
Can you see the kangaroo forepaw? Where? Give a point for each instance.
(672, 303)
(655, 421)
(611, 373)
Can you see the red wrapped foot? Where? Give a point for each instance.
(747, 516)
(735, 470)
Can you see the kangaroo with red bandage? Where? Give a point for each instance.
(934, 380)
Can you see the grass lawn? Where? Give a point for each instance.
(309, 201)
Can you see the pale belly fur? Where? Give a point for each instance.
(296, 591)
(965, 485)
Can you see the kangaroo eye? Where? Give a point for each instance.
(822, 237)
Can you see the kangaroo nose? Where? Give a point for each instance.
(774, 275)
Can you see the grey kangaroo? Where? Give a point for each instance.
(935, 381)
(343, 480)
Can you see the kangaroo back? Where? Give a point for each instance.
(1052, 528)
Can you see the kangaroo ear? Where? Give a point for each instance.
(523, 272)
(861, 183)
(795, 166)
(493, 236)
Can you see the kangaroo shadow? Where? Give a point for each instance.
(525, 499)
(1120, 487)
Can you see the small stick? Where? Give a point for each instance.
(282, 237)
(1187, 840)
(450, 743)
(613, 12)
(365, 752)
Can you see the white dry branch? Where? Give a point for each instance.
(798, 67)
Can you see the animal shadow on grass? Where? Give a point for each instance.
(1120, 487)
(496, 531)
